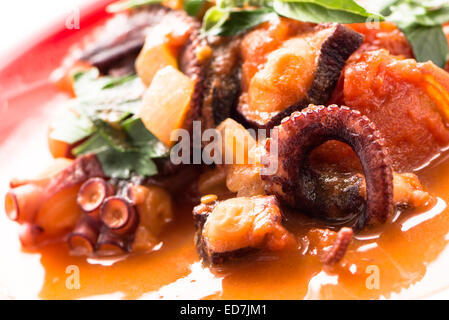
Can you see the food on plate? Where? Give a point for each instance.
(254, 138)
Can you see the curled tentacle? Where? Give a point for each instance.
(301, 133)
(83, 238)
(24, 200)
(340, 246)
(111, 244)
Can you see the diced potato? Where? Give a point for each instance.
(155, 55)
(241, 156)
(245, 180)
(154, 205)
(58, 149)
(166, 103)
(60, 212)
(237, 141)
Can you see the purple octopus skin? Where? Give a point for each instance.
(118, 51)
(119, 46)
(300, 133)
(340, 246)
(341, 43)
(87, 229)
(116, 54)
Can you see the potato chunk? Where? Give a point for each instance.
(243, 173)
(166, 103)
(154, 205)
(155, 55)
(237, 141)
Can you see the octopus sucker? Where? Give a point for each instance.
(294, 183)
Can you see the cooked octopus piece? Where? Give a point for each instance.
(26, 198)
(122, 41)
(329, 246)
(222, 81)
(230, 229)
(303, 69)
(339, 247)
(297, 185)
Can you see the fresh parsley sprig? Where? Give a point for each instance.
(420, 20)
(230, 18)
(422, 23)
(103, 117)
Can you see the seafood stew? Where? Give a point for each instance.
(267, 155)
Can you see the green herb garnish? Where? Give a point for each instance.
(193, 7)
(104, 113)
(420, 20)
(233, 17)
(224, 22)
(318, 11)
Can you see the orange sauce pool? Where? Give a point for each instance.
(408, 259)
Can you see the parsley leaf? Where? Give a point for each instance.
(323, 11)
(193, 7)
(421, 22)
(102, 113)
(428, 43)
(223, 22)
(125, 150)
(143, 139)
(229, 18)
(121, 165)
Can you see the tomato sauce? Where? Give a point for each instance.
(405, 258)
(408, 255)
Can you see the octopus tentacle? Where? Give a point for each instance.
(340, 246)
(299, 134)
